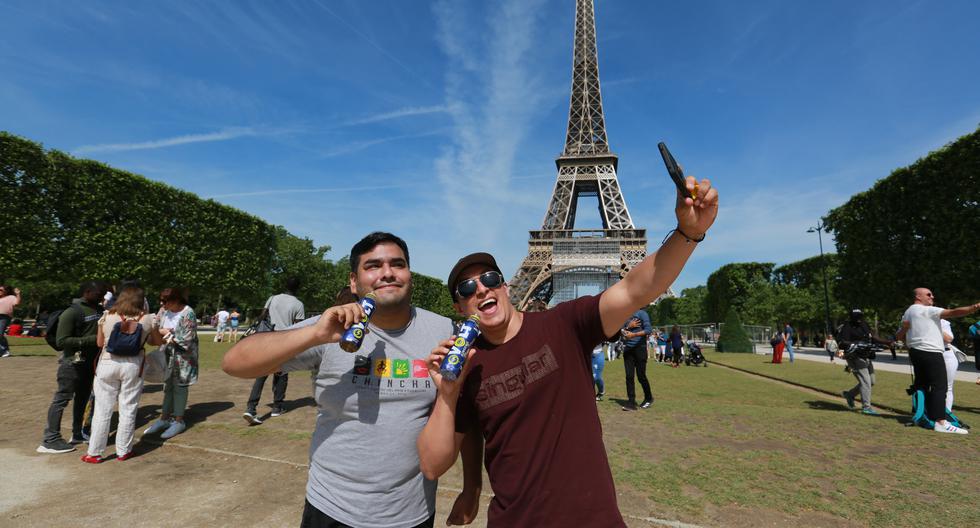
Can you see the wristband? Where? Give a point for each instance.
(683, 234)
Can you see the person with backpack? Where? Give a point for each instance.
(283, 310)
(922, 332)
(859, 360)
(73, 332)
(179, 330)
(122, 333)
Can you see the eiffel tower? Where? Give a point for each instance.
(563, 262)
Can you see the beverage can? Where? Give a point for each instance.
(452, 364)
(354, 336)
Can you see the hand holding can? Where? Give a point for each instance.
(452, 365)
(354, 335)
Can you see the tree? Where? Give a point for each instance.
(733, 337)
(731, 287)
(916, 227)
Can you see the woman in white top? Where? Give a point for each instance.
(123, 330)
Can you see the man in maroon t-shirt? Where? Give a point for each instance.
(527, 384)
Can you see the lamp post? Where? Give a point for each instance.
(826, 296)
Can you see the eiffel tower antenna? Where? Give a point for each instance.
(563, 262)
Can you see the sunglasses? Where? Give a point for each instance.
(490, 279)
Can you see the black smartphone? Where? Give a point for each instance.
(676, 173)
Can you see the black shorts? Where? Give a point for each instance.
(314, 518)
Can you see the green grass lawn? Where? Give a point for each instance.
(888, 392)
(718, 439)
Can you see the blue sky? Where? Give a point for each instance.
(440, 121)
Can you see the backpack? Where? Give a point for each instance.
(126, 338)
(919, 411)
(51, 335)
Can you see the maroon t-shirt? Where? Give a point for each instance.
(533, 399)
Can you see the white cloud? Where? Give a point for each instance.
(222, 135)
(396, 114)
(493, 95)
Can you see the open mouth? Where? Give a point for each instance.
(487, 306)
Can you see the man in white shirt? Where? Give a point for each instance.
(922, 332)
(222, 316)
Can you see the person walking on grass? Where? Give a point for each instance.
(233, 319)
(830, 345)
(179, 333)
(635, 356)
(76, 336)
(222, 325)
(922, 332)
(856, 331)
(677, 345)
(9, 297)
(598, 364)
(122, 333)
(283, 310)
(788, 339)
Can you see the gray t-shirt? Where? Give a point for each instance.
(284, 310)
(372, 405)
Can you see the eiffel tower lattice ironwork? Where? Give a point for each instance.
(561, 258)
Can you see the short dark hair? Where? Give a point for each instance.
(292, 284)
(88, 286)
(369, 242)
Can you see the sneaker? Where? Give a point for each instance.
(646, 404)
(949, 428)
(869, 411)
(58, 446)
(157, 426)
(250, 418)
(77, 440)
(122, 458)
(598, 397)
(631, 406)
(92, 459)
(849, 398)
(175, 429)
(6, 353)
(277, 411)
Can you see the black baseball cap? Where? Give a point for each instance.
(473, 258)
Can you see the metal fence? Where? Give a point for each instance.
(709, 332)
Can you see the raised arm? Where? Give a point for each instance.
(963, 311)
(263, 353)
(655, 273)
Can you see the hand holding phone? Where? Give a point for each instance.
(676, 173)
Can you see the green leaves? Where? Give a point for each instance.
(917, 227)
(67, 220)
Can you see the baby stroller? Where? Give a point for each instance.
(694, 355)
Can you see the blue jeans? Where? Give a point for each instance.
(598, 363)
(789, 349)
(4, 322)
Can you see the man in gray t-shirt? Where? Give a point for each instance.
(372, 404)
(283, 310)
